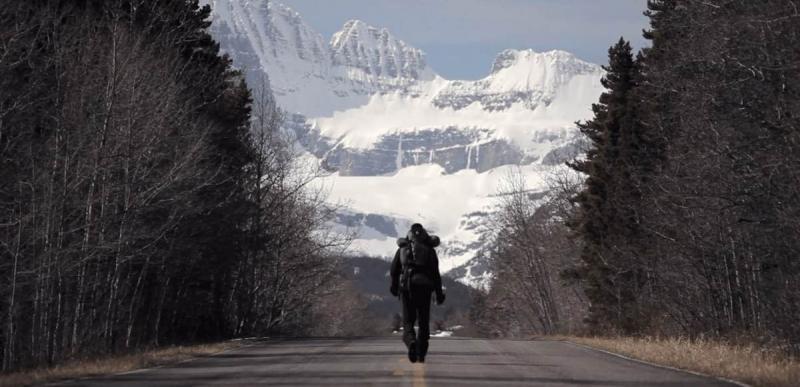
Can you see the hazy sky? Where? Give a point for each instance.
(462, 37)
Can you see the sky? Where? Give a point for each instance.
(461, 38)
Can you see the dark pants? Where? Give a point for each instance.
(417, 308)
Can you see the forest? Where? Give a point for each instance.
(150, 197)
(683, 217)
(147, 195)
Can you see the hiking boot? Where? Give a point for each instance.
(422, 350)
(412, 352)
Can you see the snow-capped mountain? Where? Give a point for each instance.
(374, 54)
(405, 144)
(308, 74)
(518, 77)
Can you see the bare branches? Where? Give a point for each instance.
(139, 204)
(531, 248)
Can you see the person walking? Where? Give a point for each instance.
(415, 276)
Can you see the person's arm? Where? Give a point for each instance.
(437, 279)
(394, 272)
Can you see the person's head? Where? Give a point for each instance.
(417, 233)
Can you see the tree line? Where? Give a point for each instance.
(147, 196)
(687, 221)
(531, 247)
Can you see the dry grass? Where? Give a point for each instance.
(744, 363)
(113, 364)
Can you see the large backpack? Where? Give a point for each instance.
(416, 260)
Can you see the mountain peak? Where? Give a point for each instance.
(531, 70)
(376, 52)
(283, 9)
(512, 57)
(357, 29)
(355, 24)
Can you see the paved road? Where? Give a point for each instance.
(382, 362)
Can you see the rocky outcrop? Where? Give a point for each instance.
(452, 148)
(518, 76)
(375, 53)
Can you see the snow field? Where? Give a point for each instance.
(427, 195)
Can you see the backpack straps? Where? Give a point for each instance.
(407, 262)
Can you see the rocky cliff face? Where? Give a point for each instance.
(376, 55)
(368, 107)
(365, 71)
(452, 148)
(518, 77)
(270, 40)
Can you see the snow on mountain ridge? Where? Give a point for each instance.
(377, 52)
(308, 74)
(268, 37)
(317, 78)
(309, 44)
(530, 70)
(518, 76)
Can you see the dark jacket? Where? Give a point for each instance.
(426, 267)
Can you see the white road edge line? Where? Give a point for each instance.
(190, 359)
(736, 382)
(136, 371)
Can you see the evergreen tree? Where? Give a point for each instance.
(600, 221)
(129, 181)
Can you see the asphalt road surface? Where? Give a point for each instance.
(383, 362)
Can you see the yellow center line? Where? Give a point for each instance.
(417, 372)
(419, 375)
(399, 370)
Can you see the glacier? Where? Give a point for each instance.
(402, 143)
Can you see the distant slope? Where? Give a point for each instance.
(371, 276)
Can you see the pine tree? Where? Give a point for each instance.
(599, 222)
(719, 212)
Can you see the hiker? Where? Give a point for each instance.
(415, 276)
